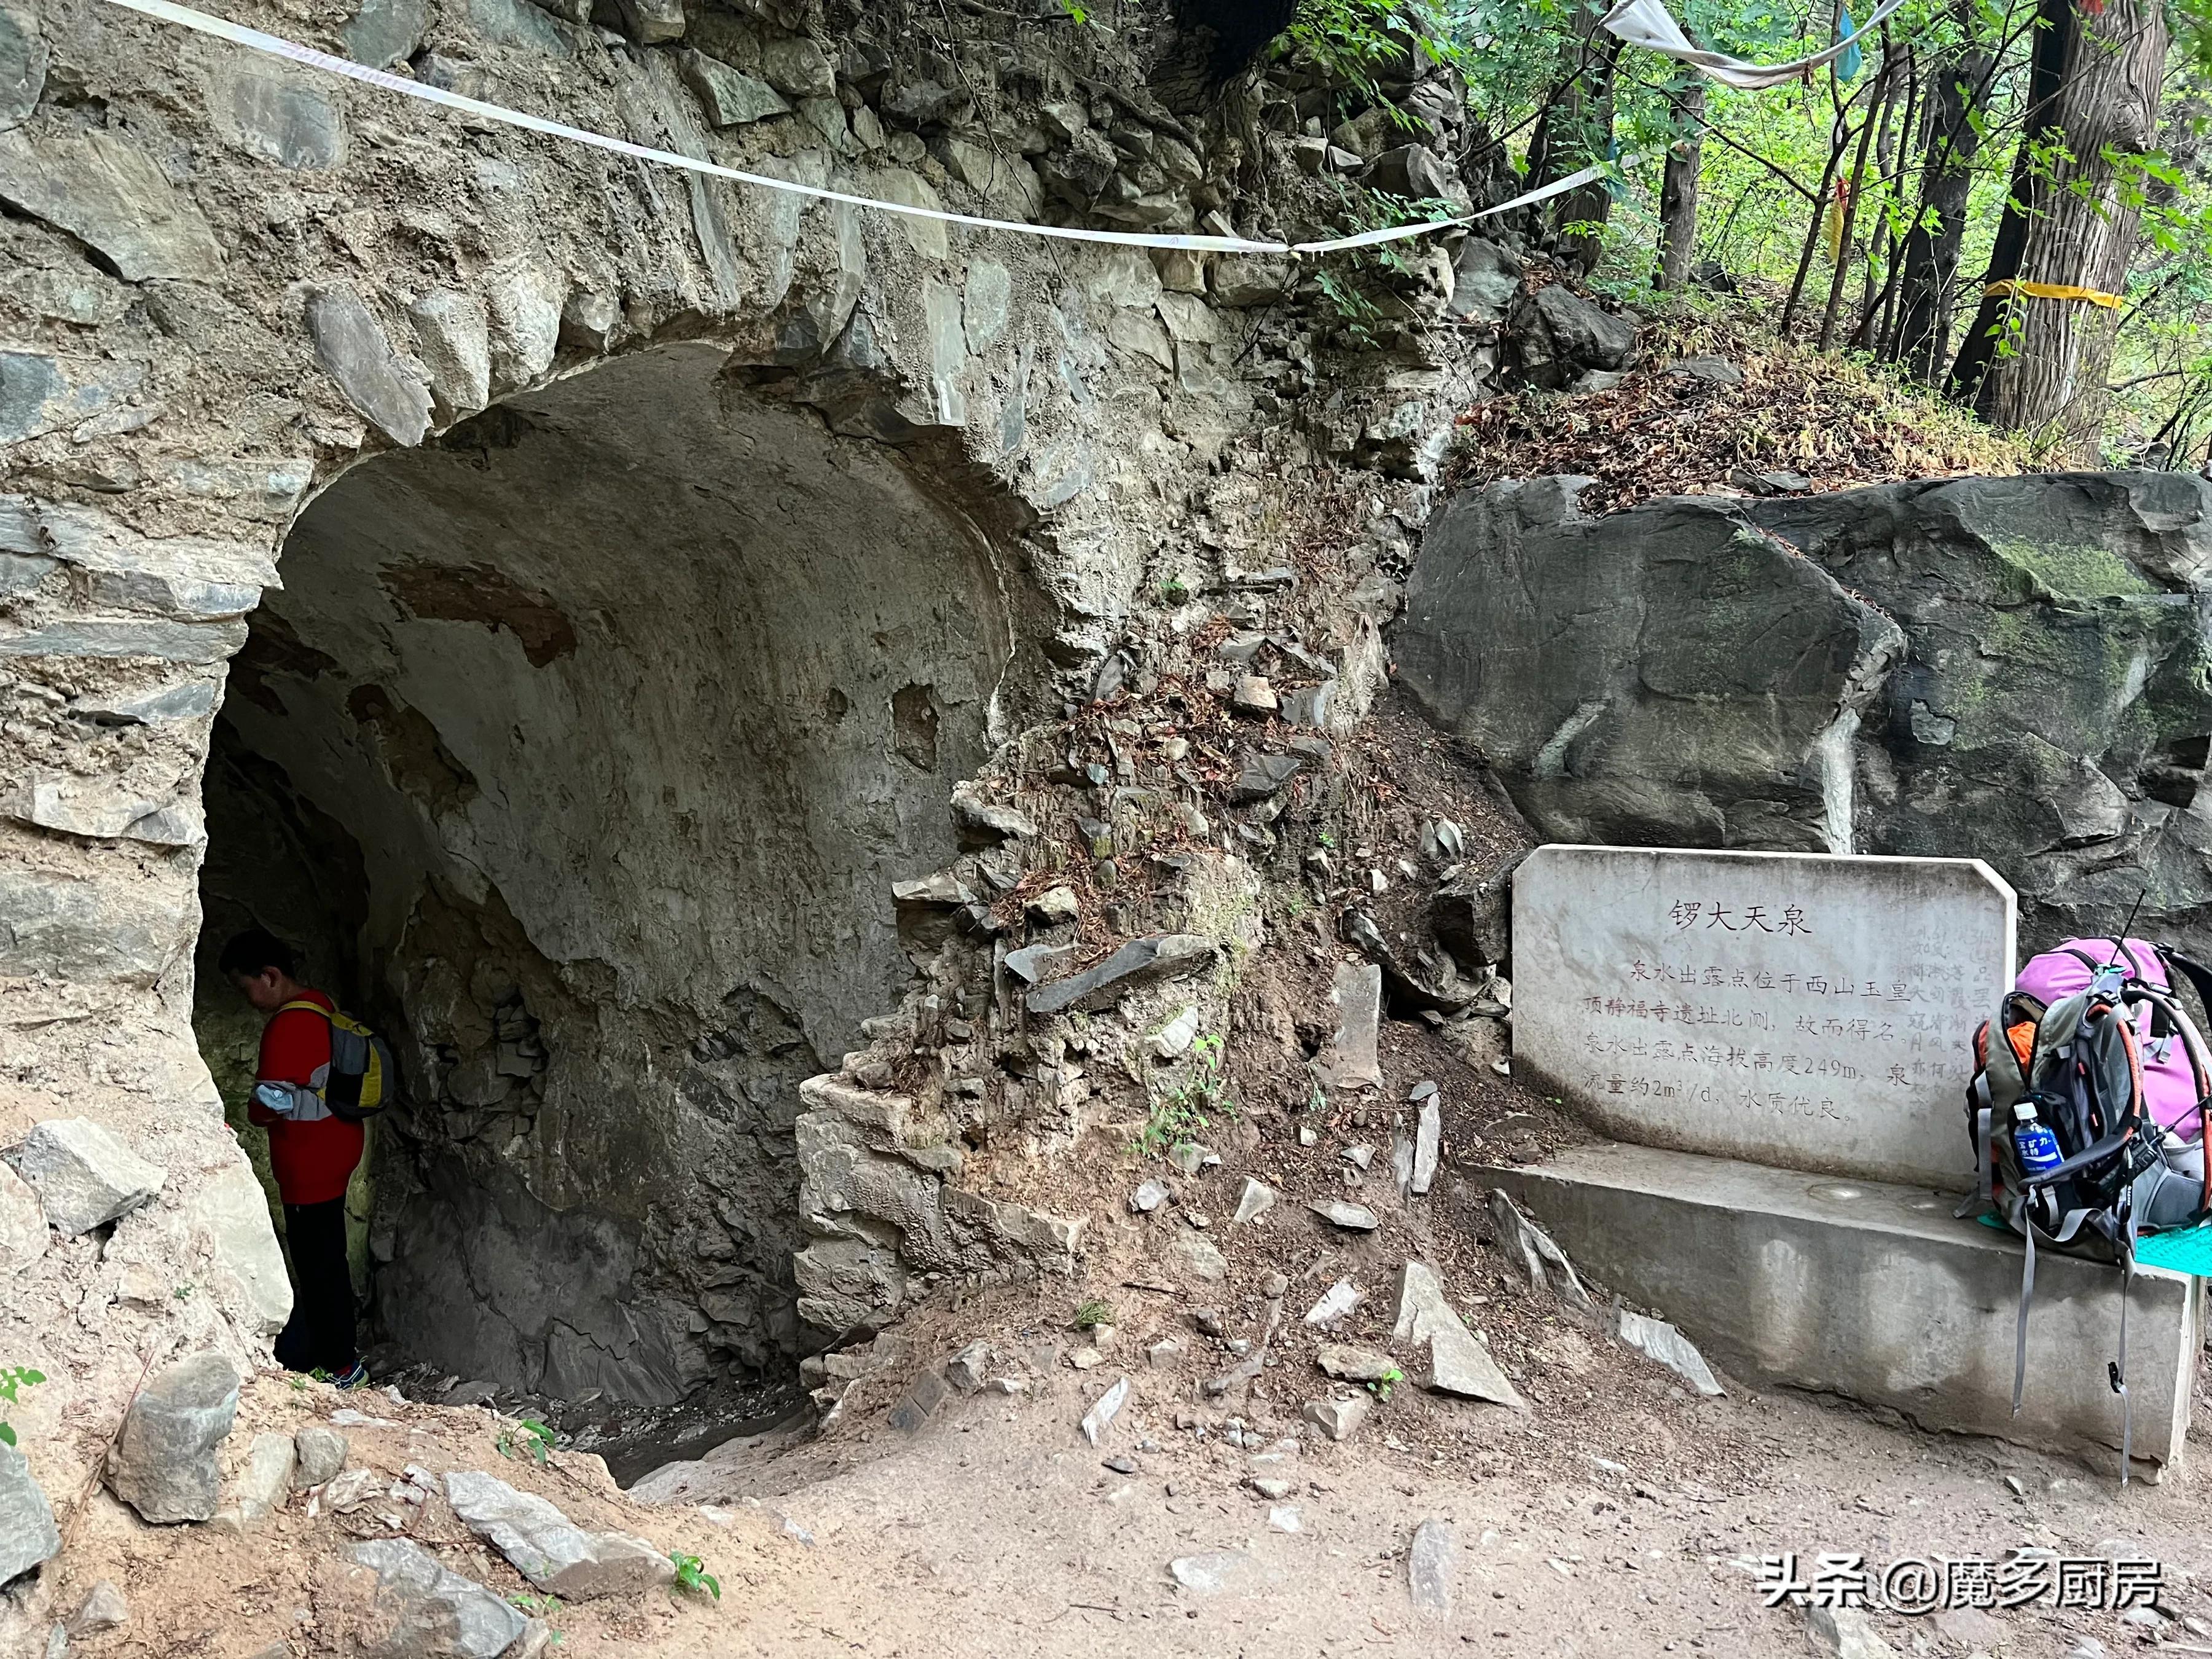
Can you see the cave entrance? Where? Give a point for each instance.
(578, 751)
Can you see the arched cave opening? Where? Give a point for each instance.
(578, 752)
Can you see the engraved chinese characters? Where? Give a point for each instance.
(1794, 1010)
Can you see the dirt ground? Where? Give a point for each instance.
(1621, 1514)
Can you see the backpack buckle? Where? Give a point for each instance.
(2112, 1375)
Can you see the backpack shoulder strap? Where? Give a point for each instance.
(302, 1002)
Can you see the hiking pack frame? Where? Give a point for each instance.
(2079, 1062)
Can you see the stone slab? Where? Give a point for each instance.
(1875, 1292)
(1808, 1012)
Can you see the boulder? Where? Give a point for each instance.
(1486, 280)
(264, 1482)
(1666, 675)
(549, 1550)
(1197, 1256)
(1472, 914)
(1786, 674)
(164, 1465)
(1414, 172)
(84, 1176)
(28, 1534)
(350, 344)
(320, 1453)
(413, 1608)
(1349, 1058)
(731, 97)
(1554, 334)
(1347, 1364)
(1249, 279)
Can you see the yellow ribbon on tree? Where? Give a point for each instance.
(2053, 291)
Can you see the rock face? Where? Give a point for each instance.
(2016, 673)
(22, 1222)
(84, 1176)
(1554, 334)
(1601, 666)
(164, 1466)
(413, 1608)
(28, 1534)
(548, 1549)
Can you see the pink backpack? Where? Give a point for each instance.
(2169, 1085)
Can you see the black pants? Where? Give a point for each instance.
(320, 1334)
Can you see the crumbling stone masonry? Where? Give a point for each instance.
(570, 593)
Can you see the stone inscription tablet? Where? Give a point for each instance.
(1791, 1009)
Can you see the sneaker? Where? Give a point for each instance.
(355, 1376)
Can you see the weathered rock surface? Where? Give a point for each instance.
(164, 1466)
(23, 1233)
(1458, 1363)
(263, 1482)
(83, 1174)
(28, 1533)
(1431, 1563)
(414, 1608)
(1601, 666)
(1678, 673)
(104, 1608)
(321, 1453)
(1554, 334)
(1654, 1339)
(547, 1548)
(104, 190)
(1141, 961)
(1340, 1419)
(1352, 1365)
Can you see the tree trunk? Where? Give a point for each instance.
(2054, 31)
(1678, 188)
(1850, 214)
(2084, 232)
(1926, 294)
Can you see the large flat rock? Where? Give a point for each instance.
(1809, 1013)
(1874, 1292)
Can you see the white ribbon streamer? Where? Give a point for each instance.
(1649, 24)
(276, 47)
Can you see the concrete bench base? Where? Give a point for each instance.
(1874, 1291)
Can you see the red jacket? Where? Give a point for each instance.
(313, 1161)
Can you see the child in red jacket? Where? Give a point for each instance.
(312, 1151)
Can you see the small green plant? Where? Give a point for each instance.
(1326, 839)
(12, 1379)
(534, 1443)
(1381, 1386)
(1092, 1314)
(183, 1292)
(299, 1384)
(1174, 589)
(538, 1607)
(1180, 1114)
(321, 1374)
(691, 1574)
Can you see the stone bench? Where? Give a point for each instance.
(1874, 1292)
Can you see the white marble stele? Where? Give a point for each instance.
(1795, 1010)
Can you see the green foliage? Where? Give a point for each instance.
(1093, 1314)
(1358, 42)
(538, 1607)
(691, 1574)
(535, 1441)
(1390, 1379)
(14, 1378)
(1200, 1094)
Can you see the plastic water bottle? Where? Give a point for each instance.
(2038, 1147)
